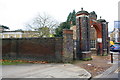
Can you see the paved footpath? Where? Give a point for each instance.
(114, 71)
(44, 71)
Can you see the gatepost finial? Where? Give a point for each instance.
(82, 9)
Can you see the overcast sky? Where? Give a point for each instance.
(16, 13)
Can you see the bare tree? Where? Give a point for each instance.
(43, 25)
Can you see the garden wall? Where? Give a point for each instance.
(40, 49)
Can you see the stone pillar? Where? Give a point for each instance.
(99, 47)
(108, 45)
(83, 35)
(108, 39)
(67, 55)
(104, 37)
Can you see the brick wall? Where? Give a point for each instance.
(40, 49)
(46, 49)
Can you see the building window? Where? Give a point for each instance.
(92, 43)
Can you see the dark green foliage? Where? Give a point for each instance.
(63, 25)
(86, 59)
(105, 54)
(69, 17)
(71, 20)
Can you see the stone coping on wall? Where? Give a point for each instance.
(32, 38)
(67, 31)
(86, 51)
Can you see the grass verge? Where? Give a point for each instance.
(14, 62)
(11, 62)
(86, 59)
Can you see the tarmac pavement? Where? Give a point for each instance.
(114, 71)
(44, 71)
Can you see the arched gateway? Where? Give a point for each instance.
(84, 22)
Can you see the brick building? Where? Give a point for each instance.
(93, 38)
(115, 34)
(20, 34)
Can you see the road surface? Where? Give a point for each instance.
(44, 71)
(114, 71)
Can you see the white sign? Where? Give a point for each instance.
(99, 40)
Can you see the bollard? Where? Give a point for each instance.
(111, 57)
